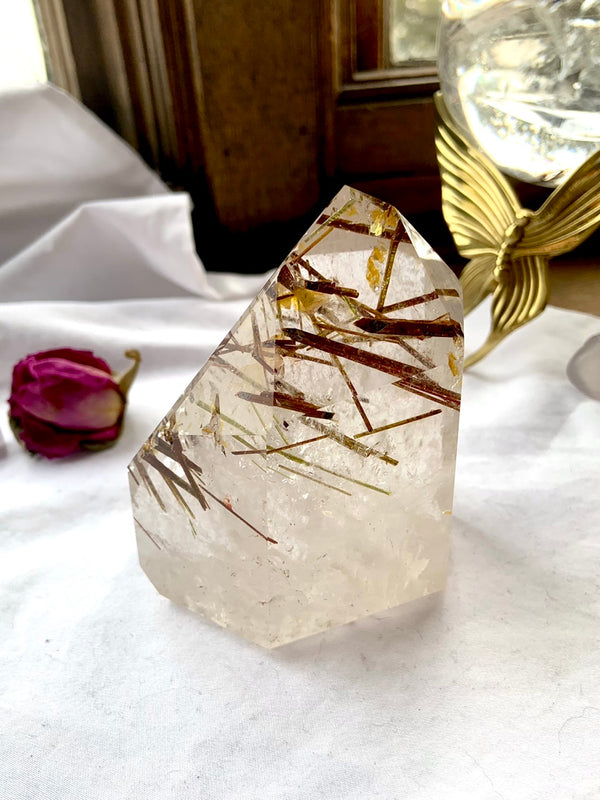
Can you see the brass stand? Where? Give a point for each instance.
(508, 246)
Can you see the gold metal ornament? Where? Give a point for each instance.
(508, 246)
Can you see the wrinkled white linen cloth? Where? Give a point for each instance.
(489, 690)
(110, 692)
(81, 216)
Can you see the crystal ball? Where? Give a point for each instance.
(522, 79)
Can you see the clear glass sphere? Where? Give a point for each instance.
(522, 78)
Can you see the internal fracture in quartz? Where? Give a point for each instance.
(304, 479)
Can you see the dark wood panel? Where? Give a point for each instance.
(369, 31)
(414, 194)
(260, 116)
(386, 138)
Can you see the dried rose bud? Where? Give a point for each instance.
(62, 401)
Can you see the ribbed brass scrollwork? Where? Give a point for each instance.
(508, 246)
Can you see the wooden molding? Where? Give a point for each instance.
(364, 55)
(256, 107)
(181, 119)
(115, 61)
(380, 132)
(60, 62)
(368, 35)
(132, 62)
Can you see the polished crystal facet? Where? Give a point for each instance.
(304, 478)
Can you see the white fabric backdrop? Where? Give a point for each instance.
(109, 691)
(56, 156)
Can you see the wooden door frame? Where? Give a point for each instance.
(262, 145)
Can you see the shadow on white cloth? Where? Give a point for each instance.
(83, 218)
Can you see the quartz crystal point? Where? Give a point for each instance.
(304, 478)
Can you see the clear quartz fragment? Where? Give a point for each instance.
(583, 370)
(304, 478)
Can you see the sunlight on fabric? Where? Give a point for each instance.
(21, 56)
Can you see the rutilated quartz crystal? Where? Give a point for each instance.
(304, 478)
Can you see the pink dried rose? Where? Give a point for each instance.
(63, 401)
